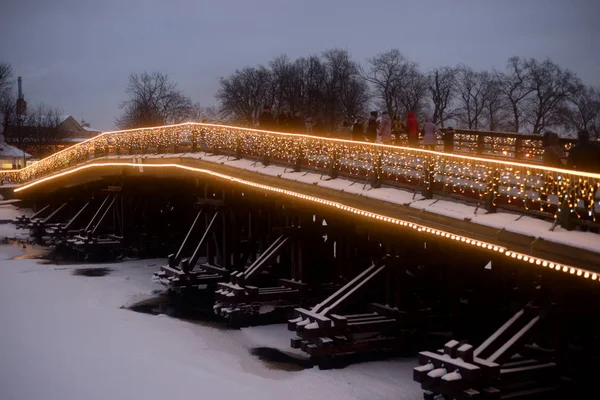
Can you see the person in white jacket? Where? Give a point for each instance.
(429, 134)
(385, 129)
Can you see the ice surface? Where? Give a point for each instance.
(64, 337)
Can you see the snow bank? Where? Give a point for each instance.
(9, 211)
(64, 337)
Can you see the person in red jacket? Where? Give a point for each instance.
(412, 128)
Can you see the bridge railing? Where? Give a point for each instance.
(567, 196)
(528, 148)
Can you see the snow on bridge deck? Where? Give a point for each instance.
(528, 239)
(507, 221)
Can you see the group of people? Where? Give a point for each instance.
(375, 129)
(584, 156)
(286, 122)
(381, 131)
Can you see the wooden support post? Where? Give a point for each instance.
(298, 159)
(566, 218)
(518, 147)
(333, 165)
(480, 144)
(376, 172)
(265, 159)
(225, 235)
(491, 193)
(238, 148)
(428, 178)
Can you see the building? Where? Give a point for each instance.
(77, 130)
(11, 157)
(41, 141)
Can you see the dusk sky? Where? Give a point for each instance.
(77, 54)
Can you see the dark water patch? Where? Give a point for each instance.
(189, 309)
(92, 272)
(281, 360)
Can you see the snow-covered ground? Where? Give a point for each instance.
(9, 211)
(66, 337)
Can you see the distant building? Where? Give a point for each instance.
(45, 140)
(77, 130)
(11, 157)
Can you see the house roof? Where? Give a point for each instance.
(7, 150)
(90, 129)
(79, 125)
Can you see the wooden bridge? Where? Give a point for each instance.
(360, 246)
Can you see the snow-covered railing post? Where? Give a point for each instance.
(376, 170)
(333, 164)
(566, 213)
(480, 144)
(264, 157)
(193, 139)
(428, 177)
(491, 192)
(238, 147)
(298, 156)
(518, 147)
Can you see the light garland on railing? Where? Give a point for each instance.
(525, 258)
(514, 183)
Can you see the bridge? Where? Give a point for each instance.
(361, 242)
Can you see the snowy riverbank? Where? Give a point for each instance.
(66, 337)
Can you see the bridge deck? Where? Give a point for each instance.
(519, 236)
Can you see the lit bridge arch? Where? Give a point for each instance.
(276, 162)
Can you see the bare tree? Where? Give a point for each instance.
(516, 87)
(411, 92)
(384, 74)
(7, 98)
(441, 84)
(354, 99)
(345, 94)
(551, 87)
(472, 95)
(582, 112)
(243, 94)
(286, 84)
(327, 88)
(496, 112)
(199, 113)
(44, 129)
(152, 99)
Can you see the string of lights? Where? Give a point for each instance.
(498, 182)
(401, 224)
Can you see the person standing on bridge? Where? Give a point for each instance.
(385, 129)
(372, 127)
(266, 121)
(429, 134)
(412, 129)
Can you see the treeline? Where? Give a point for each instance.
(36, 128)
(528, 96)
